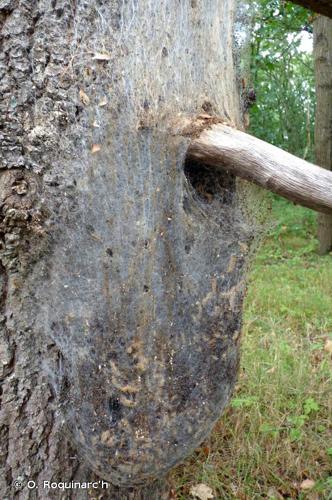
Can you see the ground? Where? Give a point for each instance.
(274, 441)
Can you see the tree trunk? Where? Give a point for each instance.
(320, 6)
(323, 127)
(122, 276)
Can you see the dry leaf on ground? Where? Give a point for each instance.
(201, 491)
(328, 346)
(307, 484)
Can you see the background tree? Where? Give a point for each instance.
(322, 6)
(283, 77)
(323, 131)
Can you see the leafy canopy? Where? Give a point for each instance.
(282, 73)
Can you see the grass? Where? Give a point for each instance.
(276, 432)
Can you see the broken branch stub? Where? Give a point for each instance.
(270, 167)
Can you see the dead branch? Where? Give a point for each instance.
(268, 166)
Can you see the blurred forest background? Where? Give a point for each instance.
(274, 440)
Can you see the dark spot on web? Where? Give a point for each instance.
(115, 409)
(207, 107)
(208, 183)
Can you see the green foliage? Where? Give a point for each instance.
(297, 422)
(310, 406)
(243, 402)
(283, 77)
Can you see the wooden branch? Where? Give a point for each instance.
(268, 166)
(321, 6)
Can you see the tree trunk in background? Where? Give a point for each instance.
(321, 6)
(323, 128)
(121, 274)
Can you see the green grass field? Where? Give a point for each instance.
(274, 441)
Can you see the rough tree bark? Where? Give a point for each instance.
(323, 126)
(122, 273)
